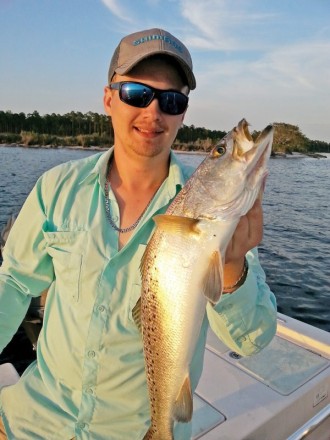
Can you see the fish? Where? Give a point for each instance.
(182, 267)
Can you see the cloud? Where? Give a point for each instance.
(305, 65)
(289, 84)
(296, 69)
(216, 24)
(117, 10)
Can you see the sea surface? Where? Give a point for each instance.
(295, 251)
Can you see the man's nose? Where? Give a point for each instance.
(153, 109)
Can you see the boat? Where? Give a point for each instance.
(281, 393)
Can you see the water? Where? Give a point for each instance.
(296, 248)
(21, 167)
(295, 251)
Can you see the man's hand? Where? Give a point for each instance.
(247, 235)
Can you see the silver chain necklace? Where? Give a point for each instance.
(108, 210)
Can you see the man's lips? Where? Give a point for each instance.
(149, 132)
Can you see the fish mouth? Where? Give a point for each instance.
(256, 157)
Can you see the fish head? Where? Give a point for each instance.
(233, 174)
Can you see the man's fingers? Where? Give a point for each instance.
(255, 223)
(248, 233)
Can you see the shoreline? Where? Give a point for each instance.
(275, 155)
(78, 147)
(54, 147)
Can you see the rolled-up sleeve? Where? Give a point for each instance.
(246, 319)
(27, 268)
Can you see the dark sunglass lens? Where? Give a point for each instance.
(173, 103)
(136, 95)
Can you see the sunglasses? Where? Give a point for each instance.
(140, 95)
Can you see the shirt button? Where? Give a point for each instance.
(90, 391)
(91, 354)
(101, 309)
(81, 425)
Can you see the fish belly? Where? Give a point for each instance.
(173, 308)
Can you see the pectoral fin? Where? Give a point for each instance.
(183, 407)
(212, 283)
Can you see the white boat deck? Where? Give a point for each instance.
(268, 396)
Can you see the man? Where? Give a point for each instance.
(81, 235)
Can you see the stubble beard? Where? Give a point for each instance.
(149, 149)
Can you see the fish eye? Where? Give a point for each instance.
(219, 150)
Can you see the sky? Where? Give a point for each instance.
(264, 60)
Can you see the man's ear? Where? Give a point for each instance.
(107, 98)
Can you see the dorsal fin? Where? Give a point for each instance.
(144, 259)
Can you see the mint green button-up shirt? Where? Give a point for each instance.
(89, 380)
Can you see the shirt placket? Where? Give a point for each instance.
(93, 348)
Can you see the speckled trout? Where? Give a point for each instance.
(182, 268)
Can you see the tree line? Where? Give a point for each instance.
(76, 124)
(94, 129)
(69, 124)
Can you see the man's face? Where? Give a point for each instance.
(146, 132)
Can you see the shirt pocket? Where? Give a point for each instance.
(136, 287)
(66, 250)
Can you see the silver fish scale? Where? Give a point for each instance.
(163, 348)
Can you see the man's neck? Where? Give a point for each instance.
(142, 174)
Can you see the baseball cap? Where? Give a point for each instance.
(140, 45)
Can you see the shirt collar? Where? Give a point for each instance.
(177, 176)
(100, 169)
